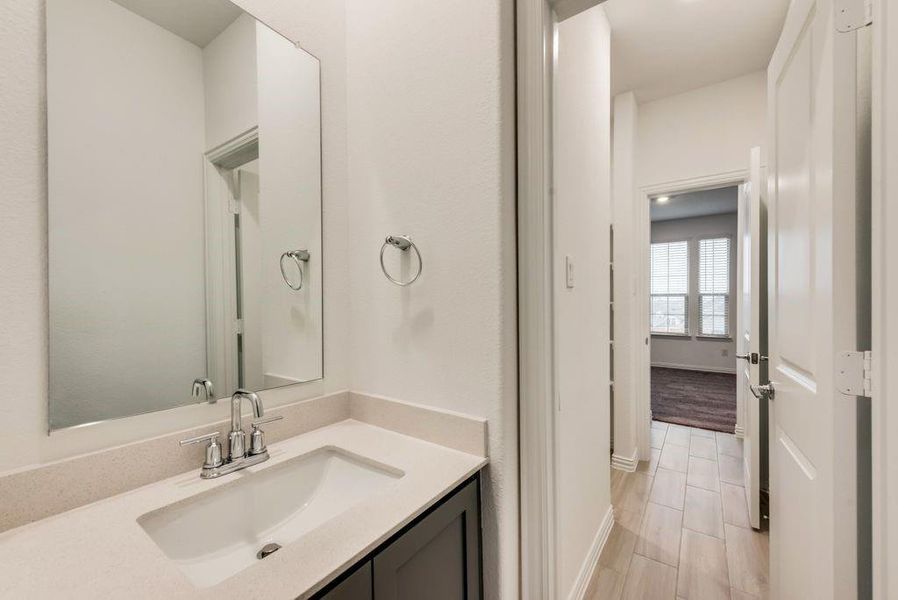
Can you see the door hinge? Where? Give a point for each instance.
(853, 14)
(238, 326)
(854, 373)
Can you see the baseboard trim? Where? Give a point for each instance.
(625, 463)
(581, 584)
(695, 368)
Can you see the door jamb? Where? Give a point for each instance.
(641, 369)
(884, 279)
(534, 48)
(221, 190)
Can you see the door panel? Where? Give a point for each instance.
(811, 306)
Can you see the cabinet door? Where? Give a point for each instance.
(355, 587)
(437, 559)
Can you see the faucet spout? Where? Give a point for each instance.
(204, 386)
(237, 437)
(237, 406)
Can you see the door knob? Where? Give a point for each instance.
(744, 356)
(764, 392)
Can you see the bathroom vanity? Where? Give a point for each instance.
(383, 502)
(438, 555)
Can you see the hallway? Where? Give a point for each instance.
(681, 529)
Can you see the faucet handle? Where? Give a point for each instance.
(211, 437)
(257, 439)
(213, 450)
(262, 420)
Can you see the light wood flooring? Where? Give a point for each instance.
(681, 527)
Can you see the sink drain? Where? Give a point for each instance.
(267, 549)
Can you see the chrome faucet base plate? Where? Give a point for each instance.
(234, 465)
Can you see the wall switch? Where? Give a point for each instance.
(568, 272)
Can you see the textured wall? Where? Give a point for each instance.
(23, 232)
(431, 147)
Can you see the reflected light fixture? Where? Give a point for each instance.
(662, 199)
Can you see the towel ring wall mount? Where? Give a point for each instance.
(402, 243)
(298, 257)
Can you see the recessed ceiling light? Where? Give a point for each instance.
(662, 199)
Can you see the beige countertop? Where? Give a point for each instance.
(100, 551)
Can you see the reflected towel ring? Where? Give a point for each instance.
(403, 243)
(299, 257)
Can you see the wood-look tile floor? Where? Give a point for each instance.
(681, 527)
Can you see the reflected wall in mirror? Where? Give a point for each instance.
(184, 180)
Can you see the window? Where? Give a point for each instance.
(714, 287)
(670, 288)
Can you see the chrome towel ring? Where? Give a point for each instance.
(403, 243)
(298, 257)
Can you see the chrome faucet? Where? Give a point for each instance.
(238, 456)
(204, 386)
(237, 437)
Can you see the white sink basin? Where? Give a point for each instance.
(214, 535)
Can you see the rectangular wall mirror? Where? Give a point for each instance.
(185, 244)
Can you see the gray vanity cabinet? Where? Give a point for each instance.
(355, 587)
(437, 557)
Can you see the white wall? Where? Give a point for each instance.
(582, 205)
(231, 82)
(696, 352)
(702, 132)
(23, 236)
(625, 123)
(431, 154)
(115, 281)
(290, 189)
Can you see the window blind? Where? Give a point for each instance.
(714, 287)
(669, 288)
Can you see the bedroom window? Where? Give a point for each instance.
(670, 288)
(714, 287)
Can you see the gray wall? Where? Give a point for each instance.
(694, 352)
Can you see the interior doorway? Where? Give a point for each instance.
(692, 288)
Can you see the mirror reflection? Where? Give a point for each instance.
(185, 251)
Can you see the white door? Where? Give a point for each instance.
(812, 310)
(751, 334)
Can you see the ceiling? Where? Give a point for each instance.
(197, 21)
(664, 47)
(719, 201)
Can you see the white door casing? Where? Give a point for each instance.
(885, 298)
(812, 306)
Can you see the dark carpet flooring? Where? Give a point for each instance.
(694, 398)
